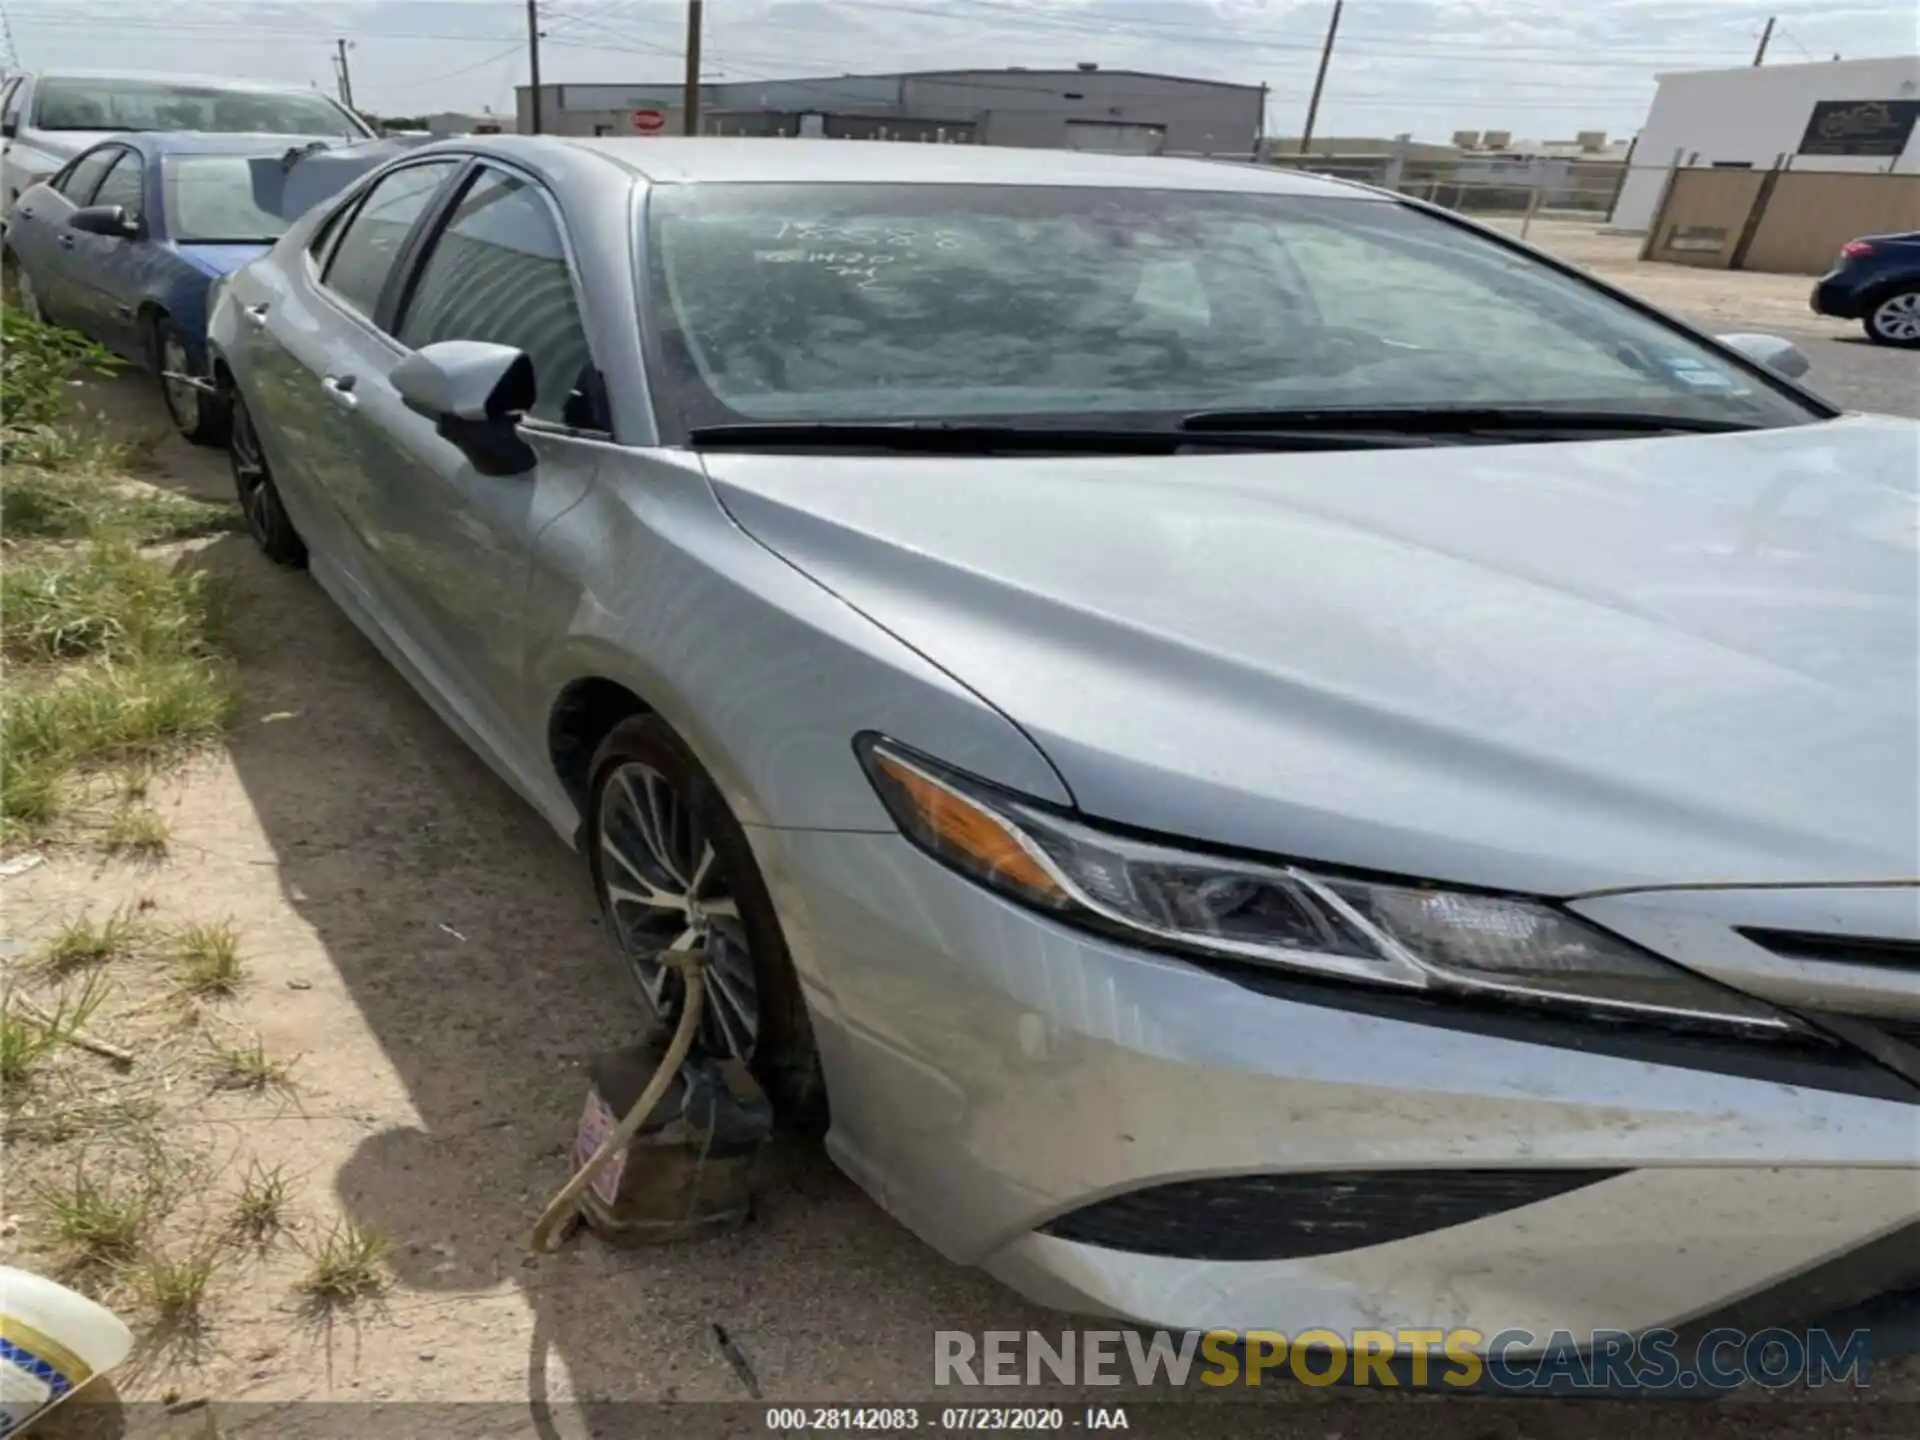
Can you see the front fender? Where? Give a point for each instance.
(767, 676)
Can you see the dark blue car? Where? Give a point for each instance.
(1876, 281)
(123, 243)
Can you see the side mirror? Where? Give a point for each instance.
(1783, 357)
(109, 220)
(475, 393)
(9, 128)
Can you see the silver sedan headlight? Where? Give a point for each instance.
(1398, 934)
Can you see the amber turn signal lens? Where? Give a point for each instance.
(970, 834)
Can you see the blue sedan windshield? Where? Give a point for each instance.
(233, 198)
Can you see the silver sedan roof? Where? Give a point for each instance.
(712, 158)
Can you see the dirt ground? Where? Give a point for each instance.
(430, 951)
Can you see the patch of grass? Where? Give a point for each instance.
(27, 1040)
(104, 601)
(83, 943)
(205, 960)
(260, 1209)
(247, 1066)
(144, 712)
(98, 1224)
(172, 1288)
(347, 1264)
(136, 832)
(60, 486)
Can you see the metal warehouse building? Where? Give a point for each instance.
(1086, 108)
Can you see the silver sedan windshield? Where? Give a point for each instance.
(879, 302)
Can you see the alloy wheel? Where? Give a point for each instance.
(1899, 317)
(667, 890)
(249, 472)
(183, 396)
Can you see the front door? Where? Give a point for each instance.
(456, 544)
(105, 270)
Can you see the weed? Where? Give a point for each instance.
(137, 832)
(205, 960)
(27, 1039)
(260, 1209)
(247, 1066)
(98, 1224)
(35, 365)
(172, 1288)
(80, 944)
(347, 1264)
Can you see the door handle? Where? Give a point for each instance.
(339, 390)
(26, 212)
(66, 242)
(256, 316)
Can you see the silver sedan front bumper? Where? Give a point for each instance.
(991, 1072)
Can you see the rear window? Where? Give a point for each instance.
(109, 104)
(224, 197)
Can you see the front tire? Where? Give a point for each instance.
(1895, 320)
(267, 518)
(672, 867)
(198, 413)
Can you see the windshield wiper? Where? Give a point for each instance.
(1443, 420)
(948, 437)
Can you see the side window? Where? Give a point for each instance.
(358, 268)
(498, 272)
(85, 173)
(10, 99)
(124, 186)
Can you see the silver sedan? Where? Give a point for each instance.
(1269, 757)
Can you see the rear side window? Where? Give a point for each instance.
(10, 100)
(123, 186)
(84, 175)
(498, 272)
(364, 257)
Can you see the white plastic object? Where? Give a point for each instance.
(52, 1342)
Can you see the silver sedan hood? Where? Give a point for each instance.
(1553, 668)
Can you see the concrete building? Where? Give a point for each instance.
(1087, 108)
(1838, 115)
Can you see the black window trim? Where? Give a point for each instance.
(419, 248)
(140, 167)
(341, 219)
(114, 147)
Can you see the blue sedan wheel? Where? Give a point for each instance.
(199, 411)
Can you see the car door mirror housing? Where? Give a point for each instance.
(1779, 355)
(109, 220)
(475, 393)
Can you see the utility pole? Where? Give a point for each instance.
(1320, 79)
(533, 61)
(690, 102)
(346, 79)
(1766, 35)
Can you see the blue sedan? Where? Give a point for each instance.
(1876, 281)
(125, 241)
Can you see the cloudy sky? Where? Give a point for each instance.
(1429, 67)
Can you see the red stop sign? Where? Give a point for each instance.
(649, 122)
